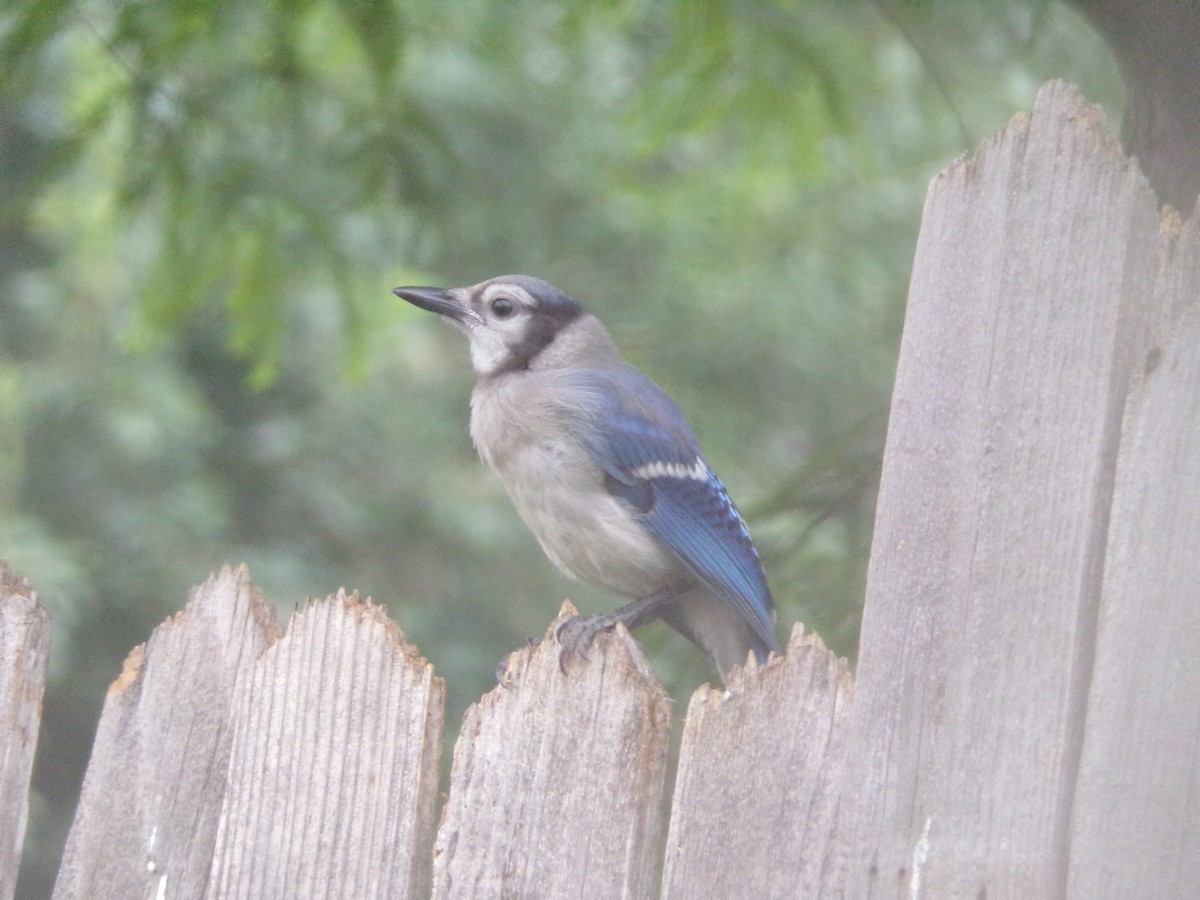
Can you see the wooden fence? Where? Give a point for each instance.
(1024, 722)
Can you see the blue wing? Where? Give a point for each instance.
(652, 461)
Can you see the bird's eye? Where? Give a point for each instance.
(503, 307)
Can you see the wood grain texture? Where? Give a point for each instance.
(24, 645)
(147, 817)
(334, 763)
(1136, 822)
(1030, 291)
(760, 774)
(557, 779)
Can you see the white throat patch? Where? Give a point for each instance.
(488, 351)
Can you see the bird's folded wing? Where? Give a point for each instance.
(651, 460)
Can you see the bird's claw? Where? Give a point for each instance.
(576, 634)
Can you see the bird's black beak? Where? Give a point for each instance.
(443, 301)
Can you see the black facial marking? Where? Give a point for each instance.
(553, 311)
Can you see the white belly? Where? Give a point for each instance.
(523, 427)
(584, 530)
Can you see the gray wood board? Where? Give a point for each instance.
(1137, 812)
(557, 781)
(151, 799)
(24, 646)
(334, 763)
(1026, 315)
(760, 774)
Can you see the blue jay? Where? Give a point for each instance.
(605, 471)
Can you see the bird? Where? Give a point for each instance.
(605, 471)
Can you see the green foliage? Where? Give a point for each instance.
(205, 204)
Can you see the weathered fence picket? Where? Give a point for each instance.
(151, 801)
(24, 642)
(557, 780)
(1135, 828)
(1031, 289)
(1024, 721)
(760, 775)
(334, 762)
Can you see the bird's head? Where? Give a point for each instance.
(511, 320)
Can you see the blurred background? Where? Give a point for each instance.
(204, 206)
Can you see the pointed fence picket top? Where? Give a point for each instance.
(760, 773)
(151, 800)
(24, 643)
(333, 771)
(1031, 298)
(557, 779)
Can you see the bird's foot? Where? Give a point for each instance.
(576, 634)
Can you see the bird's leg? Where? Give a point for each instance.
(576, 634)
